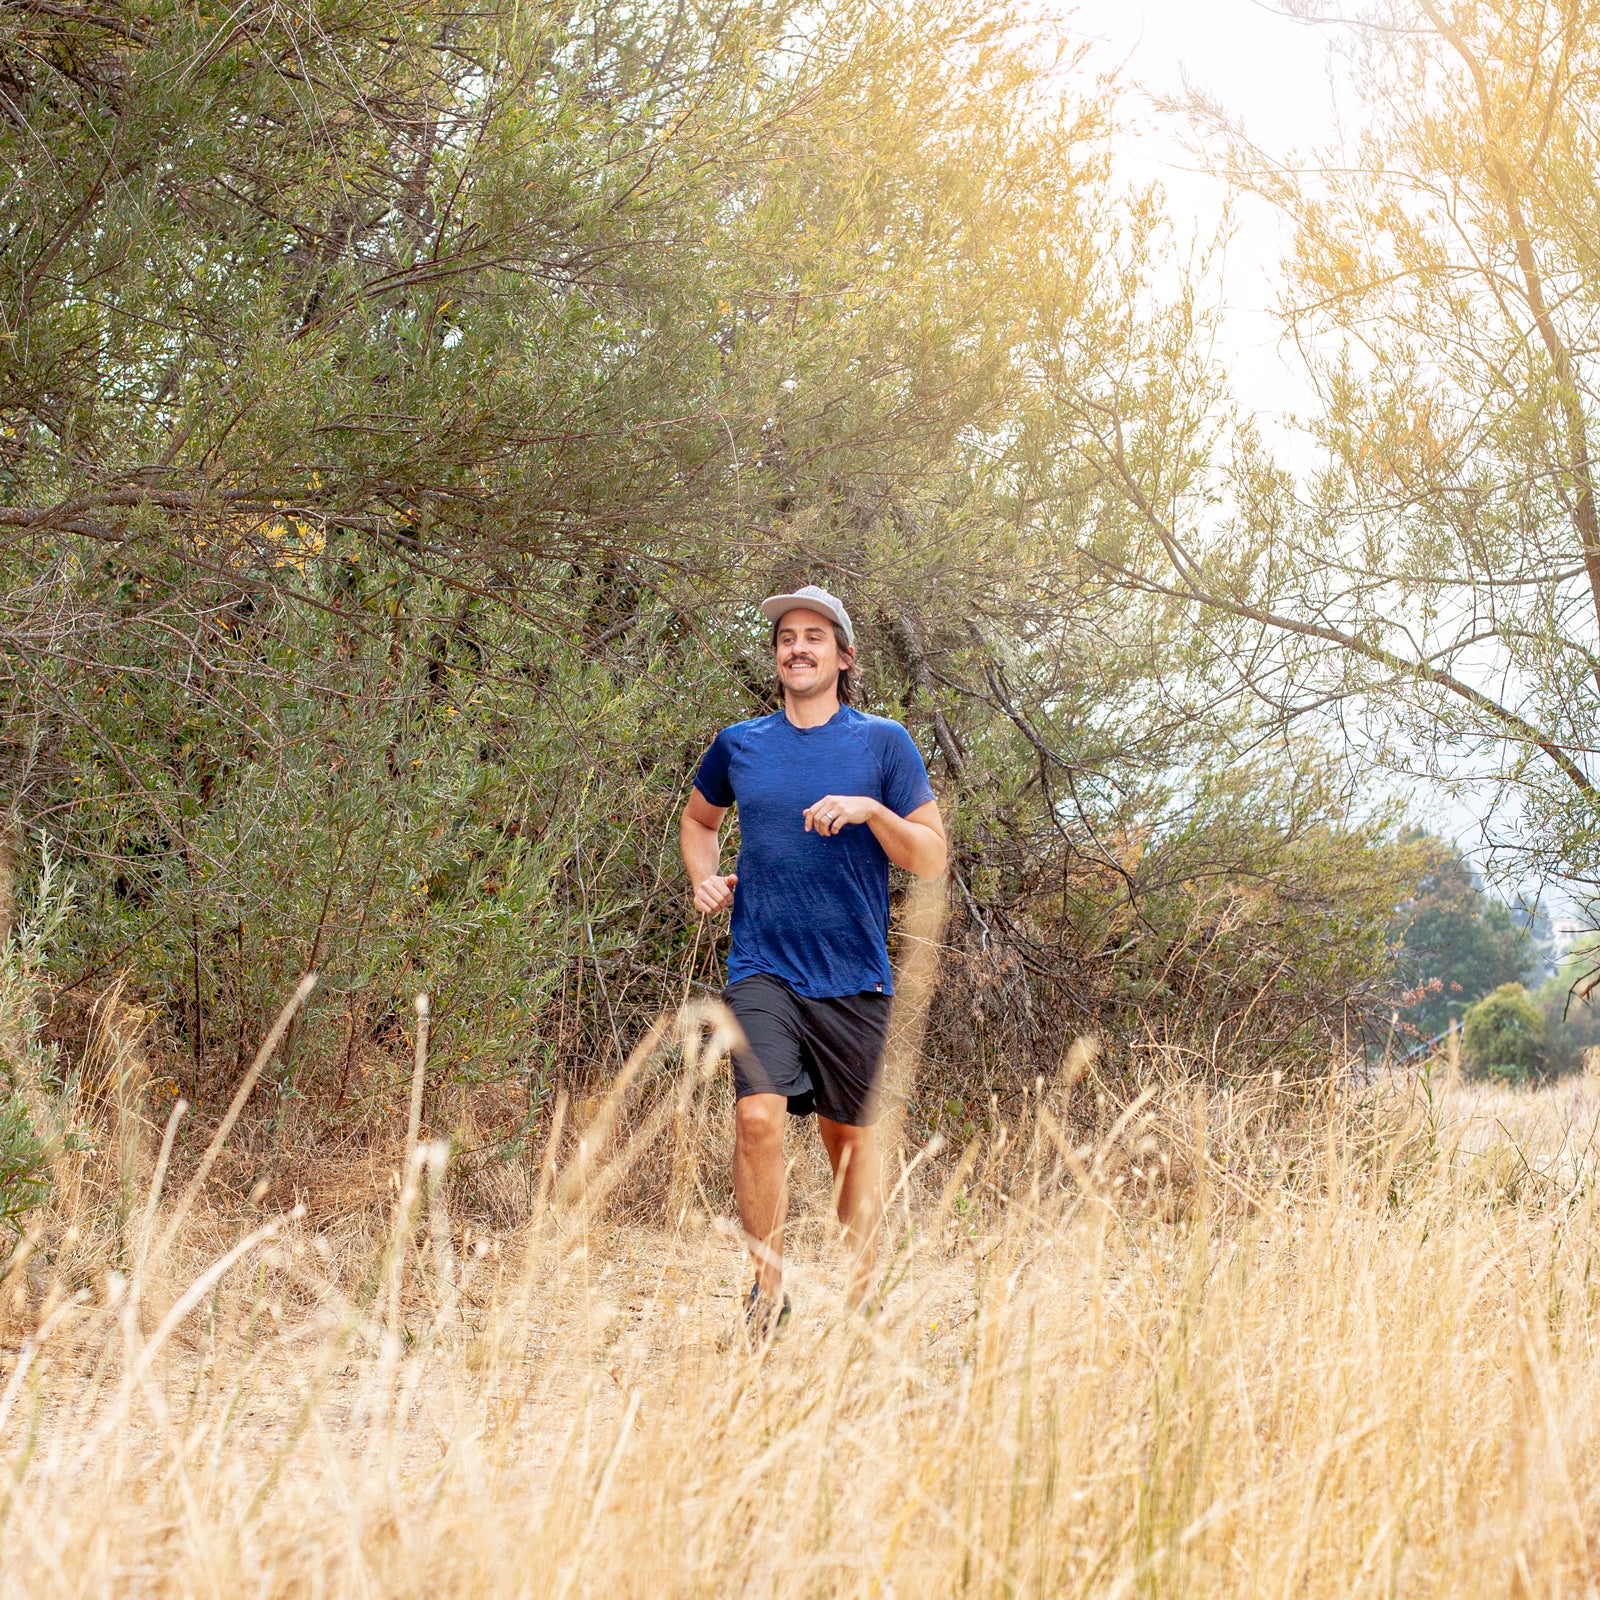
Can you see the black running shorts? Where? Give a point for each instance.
(825, 1056)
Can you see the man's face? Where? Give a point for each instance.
(809, 658)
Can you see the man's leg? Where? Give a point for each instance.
(858, 1197)
(761, 1184)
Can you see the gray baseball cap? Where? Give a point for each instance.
(810, 598)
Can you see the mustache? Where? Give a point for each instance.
(800, 661)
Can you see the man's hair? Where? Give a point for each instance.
(846, 682)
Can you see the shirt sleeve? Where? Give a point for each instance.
(712, 778)
(905, 778)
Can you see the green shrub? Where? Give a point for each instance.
(24, 1166)
(31, 1090)
(1510, 1073)
(1504, 1036)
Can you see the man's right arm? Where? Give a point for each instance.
(702, 854)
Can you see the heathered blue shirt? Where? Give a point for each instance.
(811, 910)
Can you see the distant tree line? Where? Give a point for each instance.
(1466, 961)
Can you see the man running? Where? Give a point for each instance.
(827, 798)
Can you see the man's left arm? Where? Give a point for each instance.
(914, 842)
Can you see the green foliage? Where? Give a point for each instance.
(1235, 912)
(389, 465)
(24, 1166)
(1572, 1011)
(1504, 1036)
(29, 1098)
(1456, 944)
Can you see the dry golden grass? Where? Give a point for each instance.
(1224, 1349)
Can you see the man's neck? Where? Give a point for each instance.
(811, 712)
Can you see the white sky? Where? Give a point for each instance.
(1273, 73)
(1271, 69)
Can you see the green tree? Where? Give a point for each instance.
(388, 462)
(442, 390)
(1504, 1036)
(1455, 942)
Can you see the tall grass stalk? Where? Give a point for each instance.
(1222, 1348)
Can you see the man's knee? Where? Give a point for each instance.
(846, 1142)
(759, 1120)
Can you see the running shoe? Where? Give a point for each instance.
(764, 1319)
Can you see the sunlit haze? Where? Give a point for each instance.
(1276, 76)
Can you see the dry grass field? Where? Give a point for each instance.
(1225, 1347)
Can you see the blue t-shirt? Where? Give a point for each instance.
(812, 910)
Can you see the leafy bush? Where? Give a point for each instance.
(28, 1085)
(1456, 944)
(1504, 1036)
(24, 1166)
(1510, 1073)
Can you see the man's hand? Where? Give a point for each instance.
(715, 893)
(915, 843)
(835, 811)
(698, 834)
